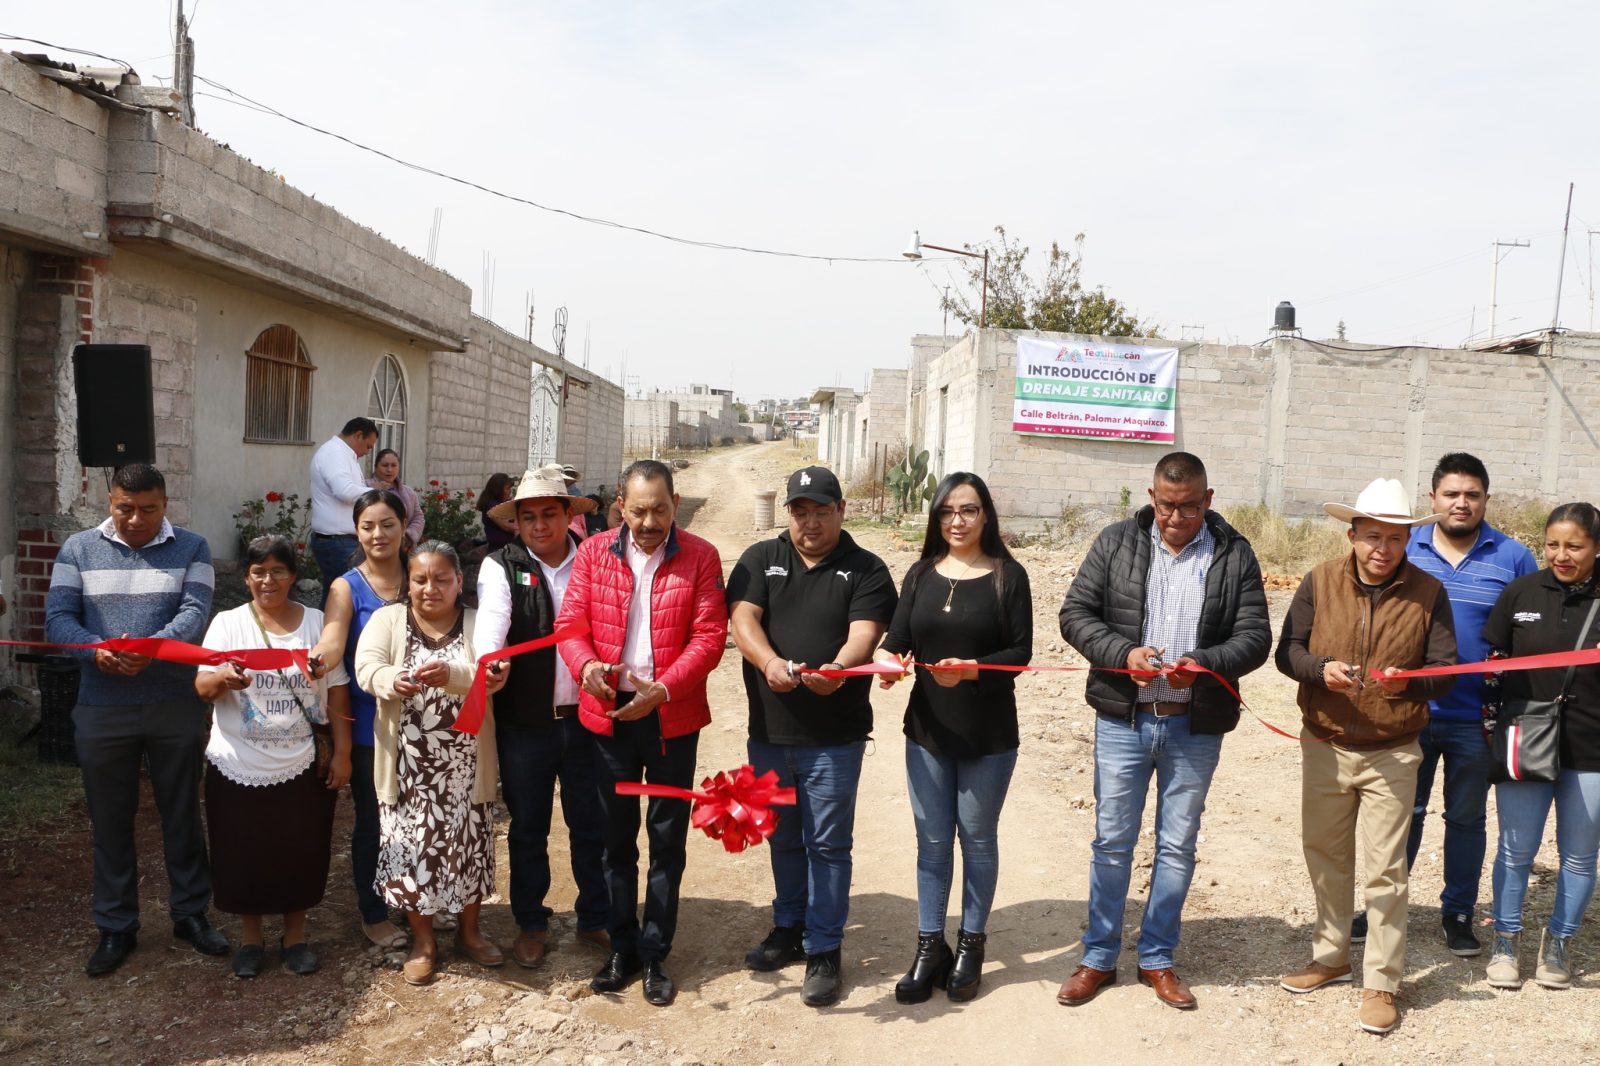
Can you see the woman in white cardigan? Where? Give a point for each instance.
(435, 785)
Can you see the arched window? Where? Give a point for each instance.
(386, 405)
(277, 388)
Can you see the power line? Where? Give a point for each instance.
(257, 105)
(64, 48)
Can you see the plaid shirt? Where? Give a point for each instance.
(1175, 590)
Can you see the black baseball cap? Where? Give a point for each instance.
(815, 483)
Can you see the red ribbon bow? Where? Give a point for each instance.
(735, 808)
(476, 705)
(176, 651)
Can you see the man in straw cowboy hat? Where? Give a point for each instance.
(538, 737)
(1356, 621)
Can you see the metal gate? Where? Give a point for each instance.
(544, 418)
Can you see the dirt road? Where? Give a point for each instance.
(1246, 923)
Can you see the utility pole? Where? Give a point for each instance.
(1561, 268)
(183, 67)
(1494, 277)
(1591, 278)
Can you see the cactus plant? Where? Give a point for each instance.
(910, 483)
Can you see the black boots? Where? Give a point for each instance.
(968, 968)
(929, 970)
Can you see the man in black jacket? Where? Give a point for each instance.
(1174, 586)
(537, 734)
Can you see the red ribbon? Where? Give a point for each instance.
(176, 651)
(735, 808)
(1586, 657)
(470, 720)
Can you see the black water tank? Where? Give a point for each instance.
(1283, 317)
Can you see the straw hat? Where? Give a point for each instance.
(1384, 500)
(544, 482)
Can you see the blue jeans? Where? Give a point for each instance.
(531, 761)
(364, 836)
(1124, 760)
(334, 555)
(1524, 806)
(1466, 793)
(950, 798)
(810, 848)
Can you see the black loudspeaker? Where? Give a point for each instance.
(116, 405)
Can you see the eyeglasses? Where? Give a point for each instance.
(278, 574)
(1167, 510)
(969, 513)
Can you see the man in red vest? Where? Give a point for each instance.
(646, 600)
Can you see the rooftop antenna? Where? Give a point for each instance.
(1494, 278)
(433, 235)
(1561, 268)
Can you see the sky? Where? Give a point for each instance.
(1357, 159)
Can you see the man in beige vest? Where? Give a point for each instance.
(1354, 622)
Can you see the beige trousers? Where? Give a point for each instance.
(1382, 785)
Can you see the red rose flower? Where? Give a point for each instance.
(300, 545)
(470, 492)
(274, 497)
(434, 482)
(442, 496)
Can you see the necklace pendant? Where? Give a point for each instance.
(947, 608)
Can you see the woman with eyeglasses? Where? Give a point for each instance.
(966, 603)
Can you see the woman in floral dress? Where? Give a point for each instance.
(435, 784)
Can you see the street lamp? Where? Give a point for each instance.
(915, 252)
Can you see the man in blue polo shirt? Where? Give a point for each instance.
(1474, 561)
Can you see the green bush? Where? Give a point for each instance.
(284, 516)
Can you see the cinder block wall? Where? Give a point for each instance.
(1292, 424)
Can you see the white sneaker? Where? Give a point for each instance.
(1504, 970)
(1554, 970)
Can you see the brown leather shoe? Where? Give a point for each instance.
(596, 938)
(529, 949)
(418, 969)
(1169, 988)
(1084, 984)
(486, 955)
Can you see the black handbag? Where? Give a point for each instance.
(1527, 738)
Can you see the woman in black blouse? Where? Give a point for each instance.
(1535, 614)
(965, 603)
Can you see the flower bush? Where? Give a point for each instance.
(284, 515)
(450, 516)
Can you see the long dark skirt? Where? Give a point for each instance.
(269, 845)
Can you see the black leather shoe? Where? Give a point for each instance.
(299, 958)
(929, 970)
(617, 973)
(659, 991)
(249, 960)
(197, 931)
(782, 946)
(821, 988)
(967, 970)
(113, 951)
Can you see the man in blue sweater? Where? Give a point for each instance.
(137, 575)
(1474, 561)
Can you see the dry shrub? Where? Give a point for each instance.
(1523, 518)
(1285, 546)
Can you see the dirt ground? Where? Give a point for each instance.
(1246, 923)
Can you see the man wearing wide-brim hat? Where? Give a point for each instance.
(538, 737)
(1355, 621)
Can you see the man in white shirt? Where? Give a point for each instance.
(537, 732)
(336, 483)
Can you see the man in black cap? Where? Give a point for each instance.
(809, 599)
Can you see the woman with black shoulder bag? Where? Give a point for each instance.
(1545, 734)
